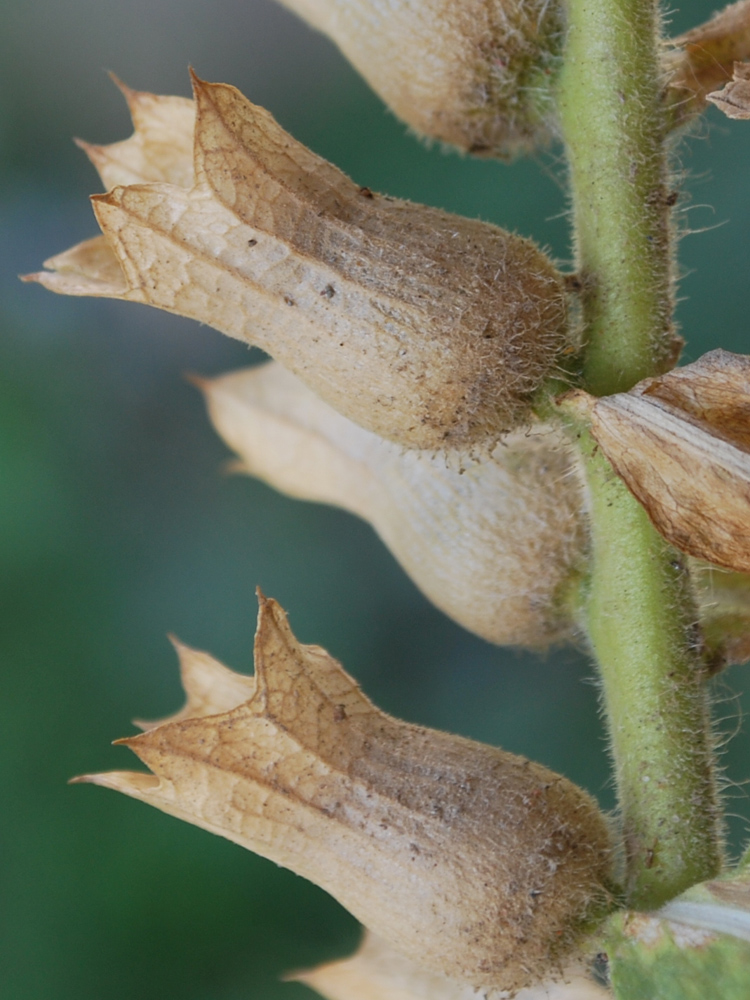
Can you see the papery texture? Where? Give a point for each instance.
(378, 972)
(160, 149)
(492, 542)
(474, 862)
(681, 443)
(734, 98)
(702, 59)
(474, 73)
(210, 687)
(428, 329)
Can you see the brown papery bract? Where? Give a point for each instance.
(473, 862)
(734, 98)
(429, 329)
(681, 444)
(477, 74)
(492, 542)
(702, 59)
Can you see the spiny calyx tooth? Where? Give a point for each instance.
(476, 863)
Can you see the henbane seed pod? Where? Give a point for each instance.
(474, 862)
(429, 329)
(494, 543)
(474, 73)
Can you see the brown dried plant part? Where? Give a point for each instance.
(495, 543)
(477, 74)
(210, 687)
(723, 600)
(428, 329)
(378, 972)
(477, 864)
(160, 149)
(703, 59)
(492, 542)
(681, 443)
(734, 98)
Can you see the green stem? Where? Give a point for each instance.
(614, 126)
(640, 624)
(638, 614)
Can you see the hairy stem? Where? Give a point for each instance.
(615, 127)
(638, 614)
(640, 623)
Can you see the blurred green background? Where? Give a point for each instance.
(117, 523)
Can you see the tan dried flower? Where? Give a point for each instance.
(426, 328)
(472, 73)
(681, 443)
(473, 862)
(496, 544)
(493, 543)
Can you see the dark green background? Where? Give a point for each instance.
(117, 524)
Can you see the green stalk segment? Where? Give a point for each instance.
(614, 127)
(638, 609)
(640, 622)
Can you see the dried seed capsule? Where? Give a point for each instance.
(472, 73)
(492, 543)
(426, 328)
(473, 862)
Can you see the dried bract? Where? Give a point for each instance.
(734, 98)
(472, 73)
(426, 328)
(723, 600)
(703, 59)
(378, 972)
(491, 542)
(681, 443)
(478, 864)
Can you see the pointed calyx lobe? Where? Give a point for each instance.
(681, 444)
(478, 864)
(160, 149)
(428, 329)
